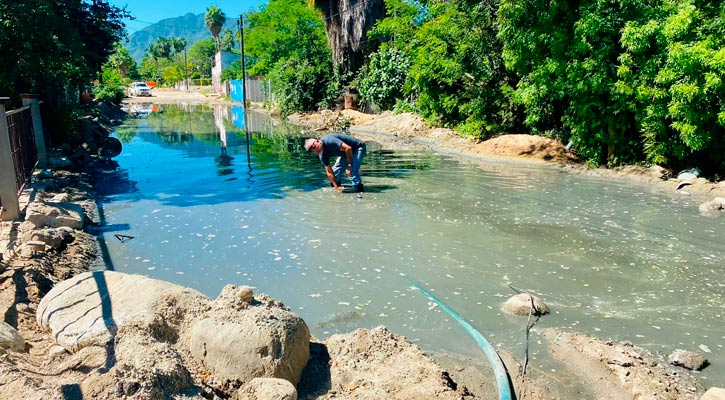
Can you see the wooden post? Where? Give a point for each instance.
(8, 180)
(32, 101)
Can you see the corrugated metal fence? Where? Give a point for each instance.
(258, 90)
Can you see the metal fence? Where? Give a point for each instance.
(22, 145)
(22, 148)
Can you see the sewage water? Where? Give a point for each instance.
(206, 207)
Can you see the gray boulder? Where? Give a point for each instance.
(687, 359)
(712, 206)
(55, 215)
(266, 389)
(239, 341)
(10, 339)
(521, 305)
(53, 237)
(89, 308)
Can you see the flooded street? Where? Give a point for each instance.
(205, 207)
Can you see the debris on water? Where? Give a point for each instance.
(682, 184)
(346, 318)
(122, 238)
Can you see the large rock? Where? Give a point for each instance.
(55, 215)
(521, 305)
(53, 237)
(10, 339)
(687, 359)
(713, 206)
(714, 393)
(238, 341)
(89, 308)
(267, 389)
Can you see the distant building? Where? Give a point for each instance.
(222, 60)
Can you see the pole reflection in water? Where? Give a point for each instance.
(239, 119)
(223, 161)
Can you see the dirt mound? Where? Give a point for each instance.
(526, 146)
(396, 123)
(330, 120)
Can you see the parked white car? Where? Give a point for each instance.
(139, 89)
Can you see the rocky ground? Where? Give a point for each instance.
(364, 364)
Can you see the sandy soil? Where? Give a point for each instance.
(347, 366)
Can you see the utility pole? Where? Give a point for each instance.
(186, 68)
(244, 68)
(244, 87)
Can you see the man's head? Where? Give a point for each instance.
(313, 145)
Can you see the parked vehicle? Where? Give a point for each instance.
(139, 89)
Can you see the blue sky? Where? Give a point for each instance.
(148, 12)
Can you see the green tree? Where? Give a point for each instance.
(161, 48)
(383, 81)
(457, 77)
(200, 56)
(121, 61)
(286, 41)
(55, 48)
(111, 85)
(672, 71)
(598, 116)
(214, 20)
(535, 38)
(226, 41)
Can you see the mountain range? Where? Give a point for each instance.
(189, 26)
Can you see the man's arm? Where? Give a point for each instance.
(348, 155)
(331, 177)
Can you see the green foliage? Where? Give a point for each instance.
(166, 61)
(111, 85)
(625, 80)
(535, 38)
(233, 71)
(199, 58)
(226, 40)
(296, 82)
(672, 68)
(214, 19)
(286, 42)
(382, 82)
(402, 106)
(457, 76)
(336, 86)
(122, 62)
(54, 48)
(283, 30)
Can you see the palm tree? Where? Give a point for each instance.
(347, 23)
(214, 19)
(178, 44)
(161, 48)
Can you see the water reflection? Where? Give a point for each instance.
(610, 258)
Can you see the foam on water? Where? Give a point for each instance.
(610, 258)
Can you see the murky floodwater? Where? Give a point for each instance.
(610, 258)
